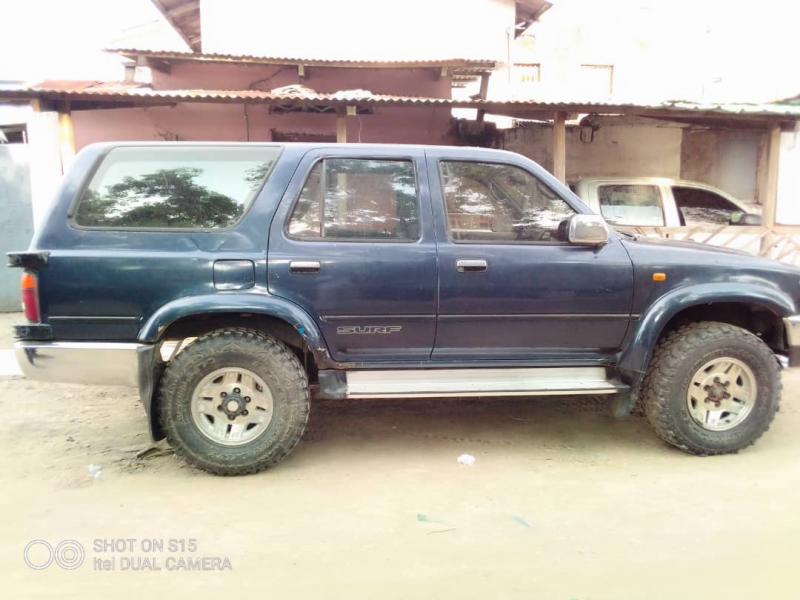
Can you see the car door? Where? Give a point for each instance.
(509, 288)
(352, 243)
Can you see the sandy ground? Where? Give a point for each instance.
(562, 502)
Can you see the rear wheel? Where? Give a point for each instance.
(234, 402)
(712, 388)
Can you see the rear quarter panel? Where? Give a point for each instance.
(103, 285)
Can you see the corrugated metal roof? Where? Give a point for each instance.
(77, 86)
(121, 90)
(461, 63)
(184, 16)
(622, 105)
(520, 108)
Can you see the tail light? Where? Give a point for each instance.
(30, 297)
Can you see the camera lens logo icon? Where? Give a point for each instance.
(40, 554)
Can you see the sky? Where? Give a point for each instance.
(713, 48)
(745, 49)
(62, 39)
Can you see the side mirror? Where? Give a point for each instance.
(742, 218)
(587, 230)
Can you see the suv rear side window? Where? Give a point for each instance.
(631, 204)
(358, 199)
(491, 202)
(174, 188)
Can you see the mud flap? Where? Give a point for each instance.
(150, 370)
(623, 403)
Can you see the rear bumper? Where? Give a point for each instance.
(792, 327)
(101, 363)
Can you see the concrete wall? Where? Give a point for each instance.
(45, 161)
(16, 220)
(227, 122)
(234, 122)
(406, 82)
(41, 153)
(617, 150)
(788, 209)
(727, 159)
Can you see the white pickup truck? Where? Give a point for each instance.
(662, 202)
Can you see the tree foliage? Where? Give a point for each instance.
(163, 198)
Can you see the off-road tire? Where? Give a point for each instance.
(263, 355)
(675, 361)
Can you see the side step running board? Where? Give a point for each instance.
(421, 383)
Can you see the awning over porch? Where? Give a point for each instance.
(67, 96)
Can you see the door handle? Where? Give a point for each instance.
(304, 266)
(466, 266)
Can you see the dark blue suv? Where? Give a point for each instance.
(228, 281)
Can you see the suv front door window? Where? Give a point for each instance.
(509, 286)
(501, 203)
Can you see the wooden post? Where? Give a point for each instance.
(484, 91)
(560, 147)
(66, 138)
(341, 127)
(770, 196)
(771, 180)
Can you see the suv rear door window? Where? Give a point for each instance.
(492, 202)
(700, 206)
(631, 204)
(357, 199)
(174, 187)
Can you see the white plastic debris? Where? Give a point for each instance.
(95, 471)
(466, 459)
(352, 94)
(294, 89)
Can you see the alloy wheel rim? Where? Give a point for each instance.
(721, 394)
(232, 406)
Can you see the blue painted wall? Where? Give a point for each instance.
(16, 218)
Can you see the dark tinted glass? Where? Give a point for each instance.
(170, 187)
(701, 206)
(359, 199)
(496, 202)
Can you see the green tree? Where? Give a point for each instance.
(164, 198)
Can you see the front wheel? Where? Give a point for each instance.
(712, 388)
(233, 402)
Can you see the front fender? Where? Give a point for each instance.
(259, 304)
(636, 356)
